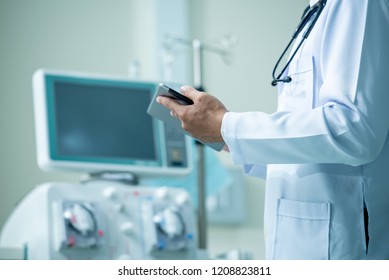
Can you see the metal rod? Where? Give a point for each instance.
(198, 47)
(208, 47)
(201, 194)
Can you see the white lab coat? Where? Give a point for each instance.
(326, 148)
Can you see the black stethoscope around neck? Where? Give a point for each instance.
(311, 15)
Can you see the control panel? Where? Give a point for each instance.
(175, 147)
(104, 220)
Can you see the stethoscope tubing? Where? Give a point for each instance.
(310, 15)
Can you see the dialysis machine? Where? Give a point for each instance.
(99, 126)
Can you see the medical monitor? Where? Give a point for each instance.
(86, 123)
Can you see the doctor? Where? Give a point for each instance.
(326, 149)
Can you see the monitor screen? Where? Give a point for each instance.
(92, 123)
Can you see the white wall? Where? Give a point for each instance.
(87, 35)
(104, 36)
(263, 29)
(151, 21)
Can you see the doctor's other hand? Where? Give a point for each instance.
(203, 119)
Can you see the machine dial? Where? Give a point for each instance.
(81, 219)
(170, 222)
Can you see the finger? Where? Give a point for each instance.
(168, 103)
(189, 91)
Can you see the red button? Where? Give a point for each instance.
(72, 241)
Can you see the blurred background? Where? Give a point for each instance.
(128, 38)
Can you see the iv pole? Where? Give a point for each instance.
(201, 189)
(198, 48)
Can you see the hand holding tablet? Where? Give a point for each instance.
(164, 114)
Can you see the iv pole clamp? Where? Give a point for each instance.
(198, 48)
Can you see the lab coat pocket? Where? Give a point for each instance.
(298, 94)
(302, 230)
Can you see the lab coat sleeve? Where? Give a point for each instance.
(350, 122)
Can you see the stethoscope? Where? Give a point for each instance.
(310, 15)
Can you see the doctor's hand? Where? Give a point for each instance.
(203, 119)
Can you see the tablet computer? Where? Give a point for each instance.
(162, 113)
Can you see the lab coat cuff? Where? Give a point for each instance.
(228, 131)
(229, 123)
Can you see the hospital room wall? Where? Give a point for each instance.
(89, 36)
(262, 29)
(104, 37)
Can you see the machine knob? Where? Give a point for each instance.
(182, 198)
(81, 218)
(162, 193)
(110, 193)
(170, 222)
(127, 228)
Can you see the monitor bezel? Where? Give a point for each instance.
(48, 160)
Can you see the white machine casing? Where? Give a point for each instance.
(102, 220)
